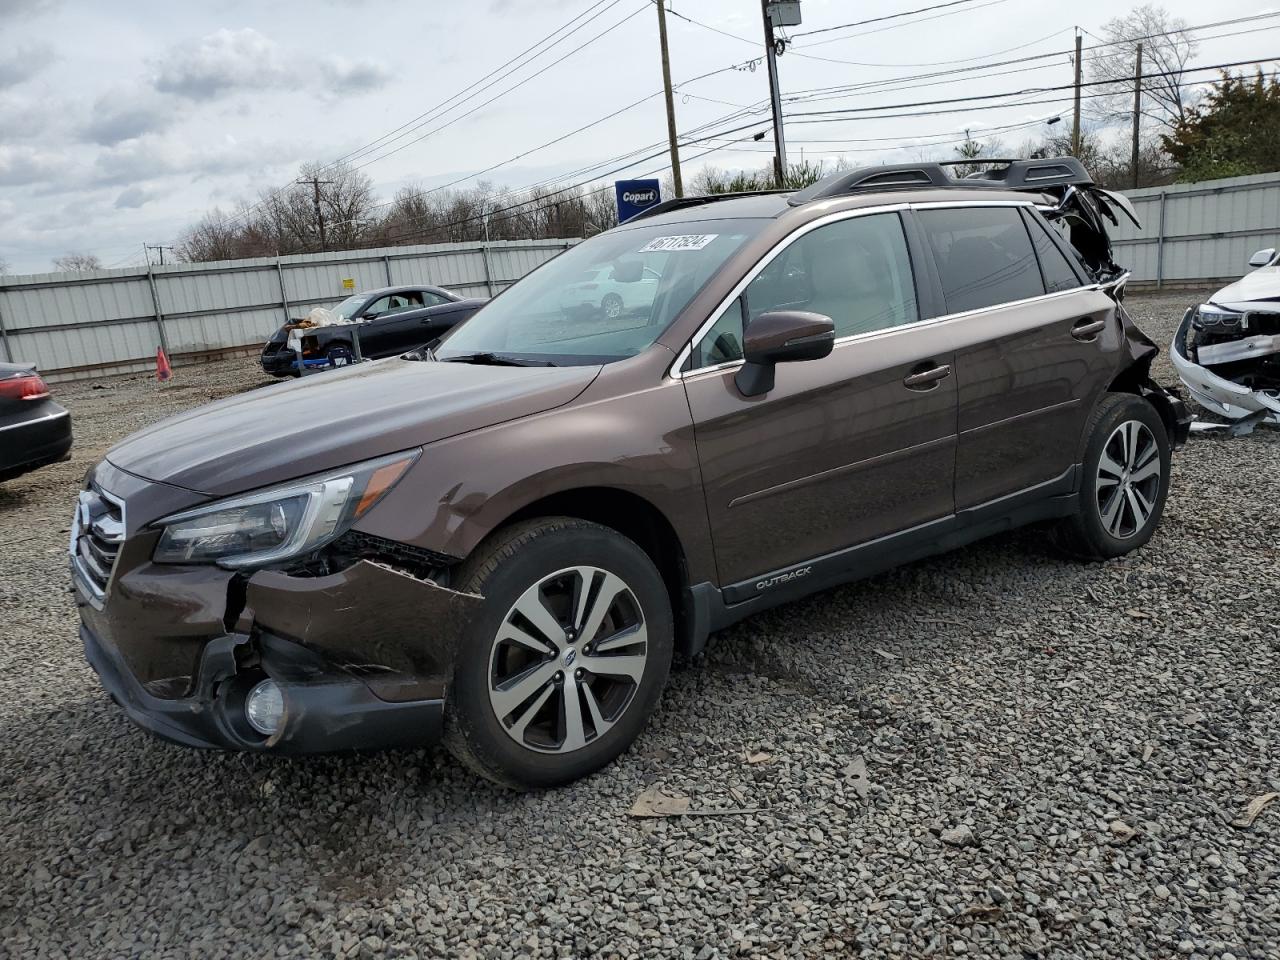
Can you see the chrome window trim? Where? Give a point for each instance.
(905, 327)
(674, 372)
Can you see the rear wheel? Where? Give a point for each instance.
(611, 305)
(561, 669)
(1125, 483)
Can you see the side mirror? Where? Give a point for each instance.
(782, 336)
(372, 315)
(1262, 257)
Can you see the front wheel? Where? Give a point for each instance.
(559, 672)
(1125, 482)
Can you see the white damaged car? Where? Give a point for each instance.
(1227, 351)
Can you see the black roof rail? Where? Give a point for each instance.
(679, 203)
(1030, 175)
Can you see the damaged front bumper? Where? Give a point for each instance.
(362, 657)
(1216, 393)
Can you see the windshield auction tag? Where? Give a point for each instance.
(672, 244)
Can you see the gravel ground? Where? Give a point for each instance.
(1054, 754)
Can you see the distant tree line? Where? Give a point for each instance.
(347, 216)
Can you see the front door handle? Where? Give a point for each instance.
(1087, 331)
(927, 379)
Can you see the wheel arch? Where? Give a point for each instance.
(1135, 379)
(634, 517)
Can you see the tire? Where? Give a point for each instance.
(611, 306)
(534, 683)
(1104, 527)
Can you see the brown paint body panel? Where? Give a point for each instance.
(630, 430)
(1026, 390)
(839, 452)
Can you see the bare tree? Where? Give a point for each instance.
(1167, 48)
(77, 261)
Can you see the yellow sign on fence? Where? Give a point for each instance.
(349, 283)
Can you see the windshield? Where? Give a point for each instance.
(606, 299)
(348, 307)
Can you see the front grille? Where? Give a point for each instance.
(97, 530)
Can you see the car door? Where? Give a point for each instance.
(1035, 347)
(395, 327)
(843, 450)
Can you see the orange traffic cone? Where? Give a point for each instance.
(163, 370)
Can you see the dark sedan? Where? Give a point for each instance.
(393, 320)
(34, 430)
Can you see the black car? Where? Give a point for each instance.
(393, 320)
(34, 430)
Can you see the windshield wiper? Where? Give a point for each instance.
(495, 360)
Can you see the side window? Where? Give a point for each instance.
(430, 299)
(378, 307)
(1055, 267)
(983, 254)
(855, 271)
(723, 342)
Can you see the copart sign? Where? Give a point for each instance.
(635, 196)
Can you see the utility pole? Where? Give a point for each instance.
(1075, 123)
(779, 143)
(316, 183)
(671, 107)
(1137, 114)
(160, 247)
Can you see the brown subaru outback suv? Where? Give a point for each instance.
(502, 541)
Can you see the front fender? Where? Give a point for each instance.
(641, 443)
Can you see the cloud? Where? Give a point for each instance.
(344, 78)
(20, 65)
(21, 166)
(221, 63)
(21, 118)
(133, 163)
(124, 116)
(133, 198)
(14, 9)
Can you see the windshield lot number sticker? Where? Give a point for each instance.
(672, 244)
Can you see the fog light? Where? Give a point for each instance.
(264, 706)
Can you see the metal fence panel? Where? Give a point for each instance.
(111, 321)
(1199, 232)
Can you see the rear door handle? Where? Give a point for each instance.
(1087, 330)
(928, 378)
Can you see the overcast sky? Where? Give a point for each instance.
(123, 123)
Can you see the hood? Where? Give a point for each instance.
(1263, 284)
(323, 422)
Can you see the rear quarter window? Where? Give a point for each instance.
(983, 254)
(1054, 266)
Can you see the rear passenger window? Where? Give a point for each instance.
(983, 254)
(1054, 265)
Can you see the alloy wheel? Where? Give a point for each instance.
(612, 306)
(568, 659)
(1127, 487)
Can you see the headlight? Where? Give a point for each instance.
(290, 520)
(1211, 315)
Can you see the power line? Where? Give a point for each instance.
(1033, 90)
(891, 16)
(383, 140)
(492, 74)
(498, 96)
